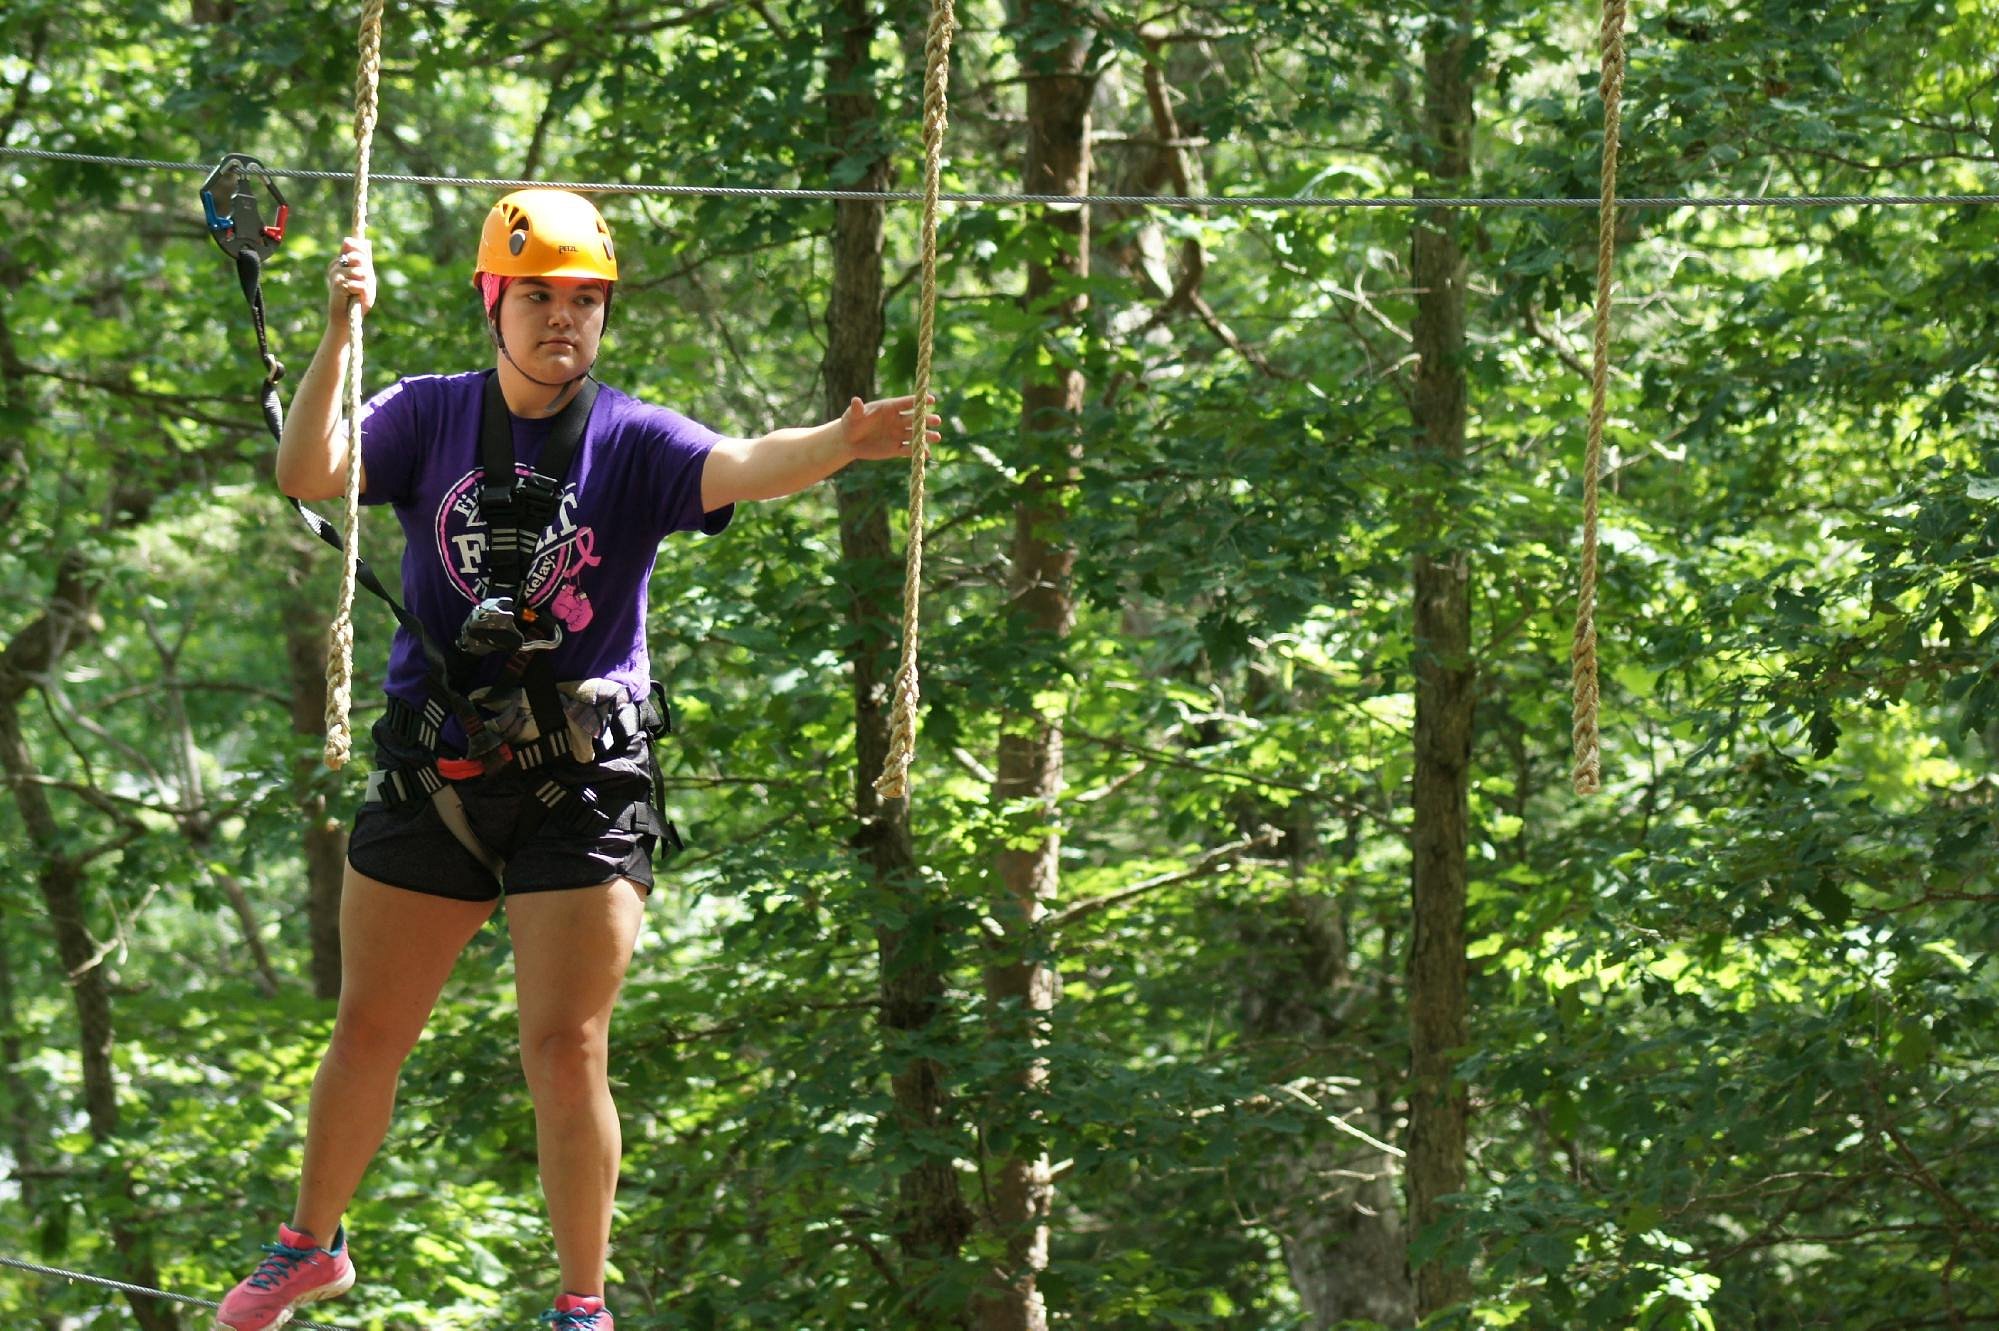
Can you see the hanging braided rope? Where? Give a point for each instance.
(894, 780)
(146, 1291)
(340, 647)
(1587, 772)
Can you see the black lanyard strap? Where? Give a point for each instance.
(438, 664)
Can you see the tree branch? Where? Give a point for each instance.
(1208, 863)
(118, 940)
(1339, 802)
(686, 18)
(776, 25)
(1193, 258)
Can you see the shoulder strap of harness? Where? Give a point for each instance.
(518, 509)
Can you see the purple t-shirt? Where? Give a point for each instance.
(635, 477)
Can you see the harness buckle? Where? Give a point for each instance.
(496, 626)
(491, 627)
(496, 499)
(242, 227)
(536, 495)
(488, 750)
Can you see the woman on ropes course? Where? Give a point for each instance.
(515, 757)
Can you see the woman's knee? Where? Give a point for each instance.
(364, 1038)
(570, 1062)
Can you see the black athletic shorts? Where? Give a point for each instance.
(573, 845)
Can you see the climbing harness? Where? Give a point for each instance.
(519, 509)
(594, 716)
(542, 724)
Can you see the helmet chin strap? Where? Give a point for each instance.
(561, 387)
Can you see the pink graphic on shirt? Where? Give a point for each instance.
(555, 570)
(571, 604)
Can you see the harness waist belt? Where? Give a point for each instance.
(421, 729)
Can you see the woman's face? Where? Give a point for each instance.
(552, 325)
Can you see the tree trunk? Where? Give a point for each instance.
(1438, 1104)
(19, 1104)
(246, 918)
(21, 1117)
(1334, 1201)
(197, 824)
(325, 835)
(931, 1219)
(60, 875)
(1020, 982)
(26, 1113)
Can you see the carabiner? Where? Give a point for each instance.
(242, 227)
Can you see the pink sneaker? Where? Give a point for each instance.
(295, 1272)
(577, 1312)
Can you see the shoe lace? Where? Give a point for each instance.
(283, 1257)
(576, 1319)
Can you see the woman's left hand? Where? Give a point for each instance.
(882, 429)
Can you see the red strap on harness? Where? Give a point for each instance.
(460, 769)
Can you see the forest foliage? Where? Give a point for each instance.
(1733, 1053)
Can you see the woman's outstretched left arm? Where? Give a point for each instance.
(786, 461)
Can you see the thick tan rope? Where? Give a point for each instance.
(1587, 772)
(340, 649)
(894, 780)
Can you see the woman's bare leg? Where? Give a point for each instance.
(571, 949)
(397, 949)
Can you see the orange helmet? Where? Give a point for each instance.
(546, 233)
